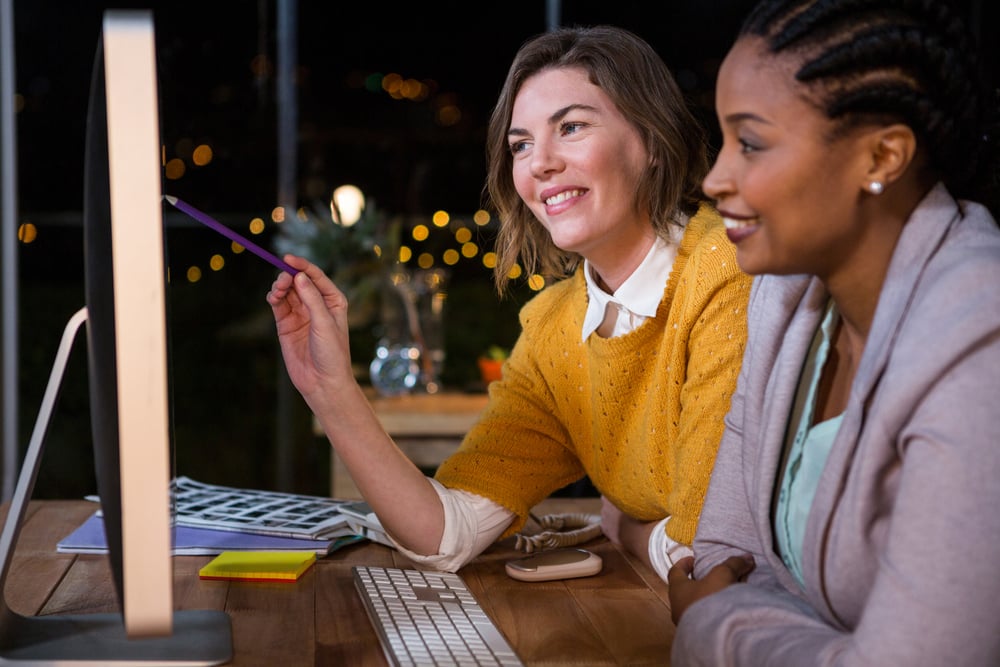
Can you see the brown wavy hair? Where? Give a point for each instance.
(638, 82)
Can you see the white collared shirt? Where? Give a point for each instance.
(638, 297)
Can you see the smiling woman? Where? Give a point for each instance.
(595, 164)
(855, 133)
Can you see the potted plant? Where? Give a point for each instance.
(491, 362)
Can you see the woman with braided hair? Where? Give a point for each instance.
(851, 515)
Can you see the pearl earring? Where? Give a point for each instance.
(876, 187)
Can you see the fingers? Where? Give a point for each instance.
(681, 570)
(740, 566)
(285, 284)
(685, 590)
(308, 291)
(279, 288)
(322, 283)
(733, 569)
(296, 262)
(285, 280)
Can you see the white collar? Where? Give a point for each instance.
(641, 292)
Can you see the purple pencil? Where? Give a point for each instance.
(208, 221)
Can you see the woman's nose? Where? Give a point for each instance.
(717, 182)
(545, 159)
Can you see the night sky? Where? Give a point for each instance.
(215, 89)
(216, 70)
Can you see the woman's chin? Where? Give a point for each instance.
(754, 263)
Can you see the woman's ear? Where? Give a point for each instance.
(891, 151)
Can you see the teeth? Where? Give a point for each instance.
(562, 196)
(733, 223)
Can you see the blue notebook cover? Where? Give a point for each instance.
(189, 541)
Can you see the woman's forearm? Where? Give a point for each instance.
(397, 491)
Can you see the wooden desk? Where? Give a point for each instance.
(427, 427)
(619, 617)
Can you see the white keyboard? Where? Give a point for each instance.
(429, 618)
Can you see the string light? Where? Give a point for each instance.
(346, 202)
(346, 208)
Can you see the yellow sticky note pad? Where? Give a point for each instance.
(258, 565)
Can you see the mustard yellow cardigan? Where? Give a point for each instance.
(640, 414)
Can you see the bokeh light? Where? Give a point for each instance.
(202, 155)
(420, 233)
(175, 169)
(346, 205)
(27, 232)
(440, 218)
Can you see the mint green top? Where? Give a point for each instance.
(806, 450)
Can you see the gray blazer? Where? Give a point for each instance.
(901, 558)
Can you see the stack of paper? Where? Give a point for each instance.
(255, 511)
(211, 519)
(191, 541)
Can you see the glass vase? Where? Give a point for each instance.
(410, 353)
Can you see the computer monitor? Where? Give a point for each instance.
(129, 387)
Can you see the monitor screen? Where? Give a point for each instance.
(126, 321)
(125, 287)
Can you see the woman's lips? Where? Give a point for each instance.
(738, 229)
(557, 202)
(562, 196)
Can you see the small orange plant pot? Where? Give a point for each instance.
(489, 369)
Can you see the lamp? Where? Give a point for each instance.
(347, 204)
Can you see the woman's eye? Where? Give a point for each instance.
(747, 147)
(570, 127)
(517, 147)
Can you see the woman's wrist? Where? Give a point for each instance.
(347, 409)
(635, 535)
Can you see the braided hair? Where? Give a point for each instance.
(907, 61)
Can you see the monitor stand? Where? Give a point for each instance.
(200, 637)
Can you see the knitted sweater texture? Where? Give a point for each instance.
(640, 414)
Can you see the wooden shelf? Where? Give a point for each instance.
(435, 415)
(427, 427)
